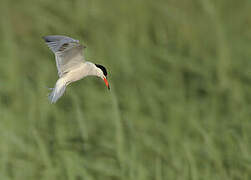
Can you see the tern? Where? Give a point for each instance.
(71, 64)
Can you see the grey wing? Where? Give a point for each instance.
(68, 52)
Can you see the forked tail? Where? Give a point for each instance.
(57, 91)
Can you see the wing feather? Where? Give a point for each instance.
(68, 52)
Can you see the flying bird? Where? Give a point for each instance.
(71, 64)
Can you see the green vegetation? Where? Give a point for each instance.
(180, 99)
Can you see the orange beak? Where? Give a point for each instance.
(106, 83)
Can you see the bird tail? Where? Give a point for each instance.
(57, 91)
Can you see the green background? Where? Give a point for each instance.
(179, 105)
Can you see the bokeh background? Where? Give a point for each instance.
(179, 105)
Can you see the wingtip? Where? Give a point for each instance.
(46, 38)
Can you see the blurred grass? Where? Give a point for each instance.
(179, 108)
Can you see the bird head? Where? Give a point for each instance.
(102, 73)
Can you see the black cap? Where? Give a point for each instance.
(102, 68)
